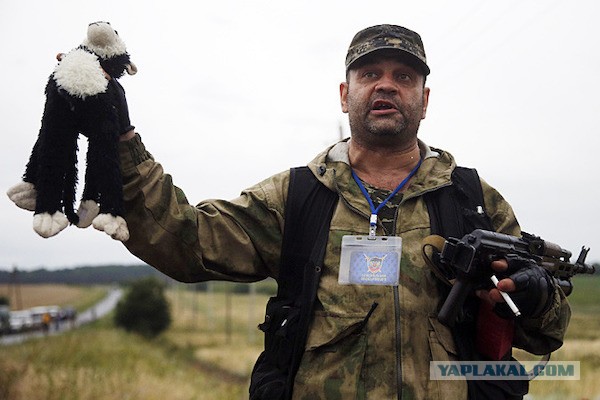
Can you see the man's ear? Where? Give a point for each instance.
(425, 101)
(344, 96)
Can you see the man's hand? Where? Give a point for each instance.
(127, 136)
(506, 285)
(529, 286)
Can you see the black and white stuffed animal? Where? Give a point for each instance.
(82, 96)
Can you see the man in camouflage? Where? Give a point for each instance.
(388, 358)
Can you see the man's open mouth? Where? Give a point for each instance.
(383, 105)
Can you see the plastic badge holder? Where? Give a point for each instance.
(370, 261)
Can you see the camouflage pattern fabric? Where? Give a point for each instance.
(388, 212)
(388, 37)
(240, 240)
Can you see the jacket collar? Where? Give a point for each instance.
(332, 168)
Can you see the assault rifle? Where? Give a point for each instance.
(469, 259)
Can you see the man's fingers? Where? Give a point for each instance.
(500, 265)
(493, 295)
(485, 296)
(507, 285)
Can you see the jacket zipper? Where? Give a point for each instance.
(396, 291)
(398, 332)
(398, 342)
(397, 321)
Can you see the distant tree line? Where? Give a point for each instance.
(87, 275)
(122, 274)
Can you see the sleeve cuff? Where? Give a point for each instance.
(132, 153)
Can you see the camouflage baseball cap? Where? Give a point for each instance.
(393, 37)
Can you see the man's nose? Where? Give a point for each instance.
(386, 83)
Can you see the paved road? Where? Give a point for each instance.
(99, 310)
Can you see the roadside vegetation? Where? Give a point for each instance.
(144, 308)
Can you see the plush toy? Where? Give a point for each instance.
(82, 96)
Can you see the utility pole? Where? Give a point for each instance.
(228, 314)
(16, 288)
(251, 313)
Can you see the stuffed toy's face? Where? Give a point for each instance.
(104, 41)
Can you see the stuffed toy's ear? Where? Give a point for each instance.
(131, 68)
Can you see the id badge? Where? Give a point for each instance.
(370, 260)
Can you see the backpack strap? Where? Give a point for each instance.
(455, 211)
(308, 212)
(459, 208)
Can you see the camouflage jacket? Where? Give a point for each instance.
(240, 240)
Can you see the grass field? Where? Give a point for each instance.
(206, 354)
(210, 349)
(100, 362)
(582, 343)
(227, 340)
(27, 296)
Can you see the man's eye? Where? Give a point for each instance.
(404, 77)
(370, 74)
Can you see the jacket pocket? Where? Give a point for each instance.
(332, 364)
(441, 342)
(443, 348)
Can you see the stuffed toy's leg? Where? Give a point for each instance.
(115, 226)
(103, 175)
(56, 184)
(56, 170)
(23, 194)
(88, 208)
(104, 164)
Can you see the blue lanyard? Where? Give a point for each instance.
(374, 211)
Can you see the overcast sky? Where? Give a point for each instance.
(231, 92)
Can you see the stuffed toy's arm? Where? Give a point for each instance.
(119, 102)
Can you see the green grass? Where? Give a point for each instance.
(586, 294)
(200, 323)
(582, 343)
(93, 295)
(101, 362)
(202, 356)
(585, 308)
